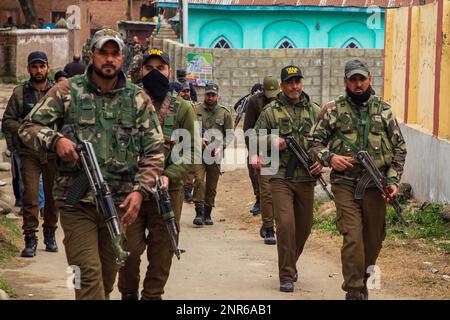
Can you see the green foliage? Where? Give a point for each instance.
(10, 232)
(427, 224)
(4, 286)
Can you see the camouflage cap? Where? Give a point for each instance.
(104, 35)
(271, 87)
(356, 66)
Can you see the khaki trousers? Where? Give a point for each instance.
(293, 206)
(31, 169)
(88, 246)
(205, 191)
(159, 249)
(363, 225)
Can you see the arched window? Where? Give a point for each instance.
(352, 44)
(222, 43)
(285, 44)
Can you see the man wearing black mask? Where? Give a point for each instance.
(174, 113)
(359, 121)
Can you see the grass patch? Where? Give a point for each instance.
(9, 234)
(4, 286)
(327, 224)
(427, 224)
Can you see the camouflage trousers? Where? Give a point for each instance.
(363, 225)
(159, 249)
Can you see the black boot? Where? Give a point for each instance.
(256, 207)
(269, 236)
(198, 220)
(50, 241)
(130, 296)
(30, 246)
(188, 194)
(208, 220)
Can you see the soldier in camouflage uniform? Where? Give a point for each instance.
(217, 117)
(359, 121)
(32, 163)
(174, 113)
(256, 104)
(292, 113)
(118, 118)
(136, 65)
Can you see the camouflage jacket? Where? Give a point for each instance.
(347, 128)
(295, 120)
(218, 118)
(126, 137)
(15, 112)
(174, 113)
(135, 68)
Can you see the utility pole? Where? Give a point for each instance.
(185, 22)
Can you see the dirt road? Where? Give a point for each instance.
(224, 261)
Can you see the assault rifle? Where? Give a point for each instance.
(165, 210)
(92, 176)
(302, 157)
(372, 174)
(241, 108)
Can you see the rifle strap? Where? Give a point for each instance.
(292, 164)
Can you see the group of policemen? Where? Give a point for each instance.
(131, 128)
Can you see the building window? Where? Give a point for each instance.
(352, 44)
(285, 44)
(56, 15)
(222, 43)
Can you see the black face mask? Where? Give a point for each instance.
(360, 98)
(156, 84)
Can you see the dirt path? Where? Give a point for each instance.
(224, 261)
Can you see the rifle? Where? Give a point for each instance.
(165, 210)
(241, 109)
(302, 157)
(92, 177)
(372, 173)
(207, 142)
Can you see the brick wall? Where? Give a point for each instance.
(15, 46)
(94, 13)
(236, 70)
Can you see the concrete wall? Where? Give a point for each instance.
(417, 83)
(15, 45)
(236, 70)
(426, 167)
